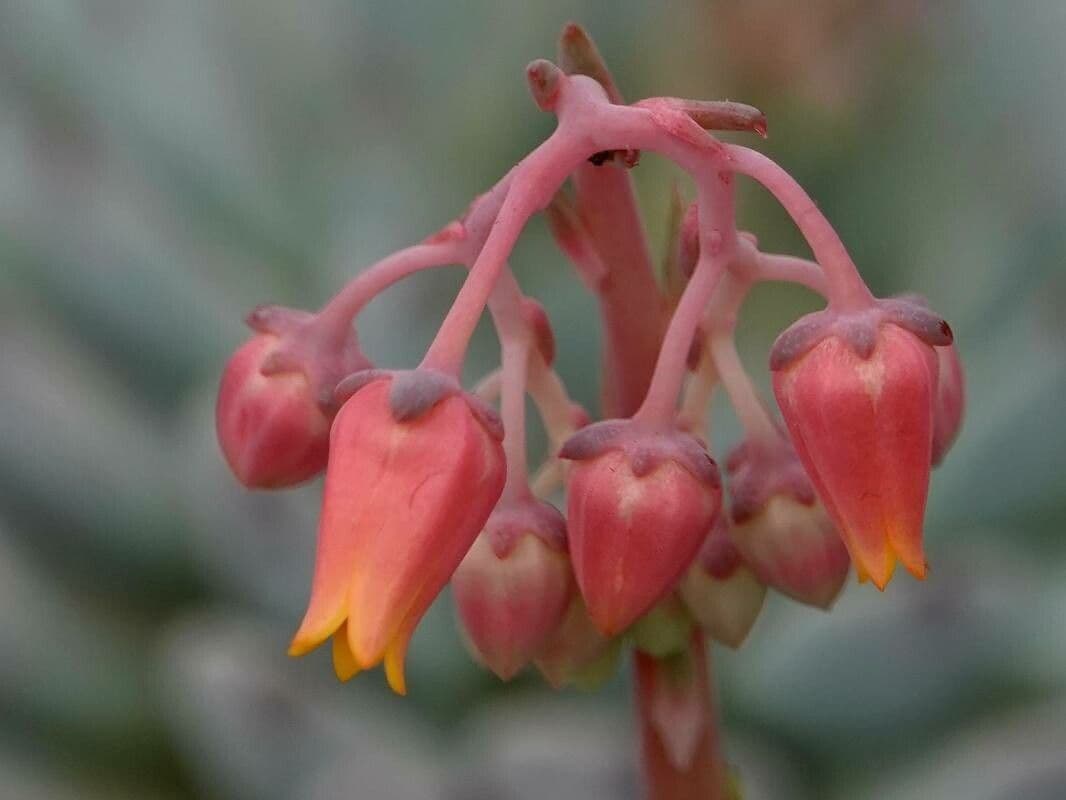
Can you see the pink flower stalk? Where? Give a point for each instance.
(415, 468)
(871, 392)
(514, 586)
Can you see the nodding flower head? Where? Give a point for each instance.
(514, 586)
(720, 590)
(272, 431)
(639, 505)
(275, 400)
(780, 527)
(857, 392)
(415, 468)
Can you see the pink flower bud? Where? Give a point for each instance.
(720, 590)
(857, 392)
(275, 402)
(779, 526)
(270, 427)
(415, 468)
(950, 401)
(514, 586)
(639, 506)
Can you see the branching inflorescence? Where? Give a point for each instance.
(427, 483)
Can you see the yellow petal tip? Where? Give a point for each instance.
(301, 647)
(394, 659)
(344, 663)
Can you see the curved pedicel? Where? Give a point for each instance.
(646, 449)
(858, 329)
(414, 392)
(307, 348)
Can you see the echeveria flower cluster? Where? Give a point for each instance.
(427, 481)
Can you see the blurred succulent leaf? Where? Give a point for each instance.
(819, 678)
(562, 747)
(251, 723)
(82, 459)
(1018, 755)
(68, 668)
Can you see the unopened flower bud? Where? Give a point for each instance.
(275, 401)
(720, 590)
(415, 468)
(514, 585)
(779, 526)
(639, 506)
(857, 392)
(270, 427)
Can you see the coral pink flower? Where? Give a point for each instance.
(779, 526)
(415, 468)
(639, 506)
(272, 431)
(858, 401)
(514, 586)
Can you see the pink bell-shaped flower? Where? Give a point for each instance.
(275, 402)
(415, 468)
(779, 526)
(514, 585)
(857, 392)
(720, 590)
(640, 504)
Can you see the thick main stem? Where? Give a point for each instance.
(705, 775)
(631, 304)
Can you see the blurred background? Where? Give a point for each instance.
(165, 166)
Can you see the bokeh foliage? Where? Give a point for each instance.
(165, 166)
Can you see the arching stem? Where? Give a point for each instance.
(717, 244)
(846, 288)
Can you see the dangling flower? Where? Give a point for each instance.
(275, 400)
(270, 428)
(857, 393)
(779, 526)
(720, 590)
(415, 468)
(514, 585)
(639, 506)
